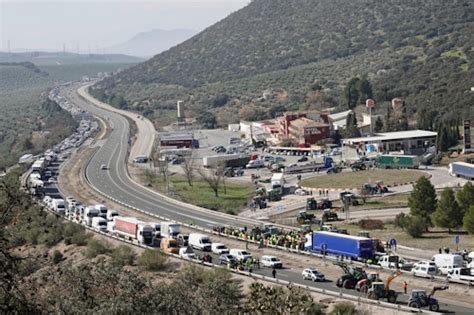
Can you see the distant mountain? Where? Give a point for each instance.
(275, 55)
(148, 44)
(65, 58)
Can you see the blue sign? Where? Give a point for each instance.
(456, 239)
(324, 246)
(393, 242)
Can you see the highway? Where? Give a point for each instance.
(116, 183)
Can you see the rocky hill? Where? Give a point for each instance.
(279, 54)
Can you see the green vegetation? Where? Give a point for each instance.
(422, 200)
(300, 55)
(232, 196)
(357, 179)
(469, 220)
(152, 260)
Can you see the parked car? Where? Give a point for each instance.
(240, 254)
(104, 167)
(219, 249)
(301, 192)
(227, 258)
(271, 262)
(313, 274)
(423, 270)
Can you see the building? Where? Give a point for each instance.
(412, 142)
(307, 132)
(338, 120)
(178, 140)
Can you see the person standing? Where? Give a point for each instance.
(274, 272)
(405, 287)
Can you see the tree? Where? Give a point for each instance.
(469, 220)
(465, 197)
(188, 169)
(213, 178)
(378, 124)
(415, 226)
(422, 200)
(351, 129)
(207, 120)
(388, 120)
(365, 90)
(447, 214)
(351, 93)
(161, 162)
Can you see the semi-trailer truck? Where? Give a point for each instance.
(398, 161)
(169, 229)
(310, 167)
(59, 206)
(89, 213)
(339, 244)
(227, 160)
(133, 229)
(461, 169)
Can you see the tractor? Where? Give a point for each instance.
(380, 290)
(324, 204)
(373, 189)
(352, 275)
(329, 215)
(334, 169)
(364, 284)
(419, 299)
(306, 218)
(358, 166)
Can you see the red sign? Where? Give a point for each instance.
(370, 103)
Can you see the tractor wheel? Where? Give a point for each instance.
(373, 296)
(364, 289)
(392, 297)
(414, 304)
(434, 307)
(348, 284)
(339, 283)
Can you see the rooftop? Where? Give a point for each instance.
(339, 116)
(388, 136)
(175, 136)
(305, 122)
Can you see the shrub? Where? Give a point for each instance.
(81, 238)
(469, 220)
(370, 224)
(75, 234)
(344, 308)
(123, 255)
(57, 257)
(415, 226)
(96, 247)
(152, 260)
(400, 220)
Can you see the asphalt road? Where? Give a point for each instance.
(115, 182)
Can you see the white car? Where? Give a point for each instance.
(301, 192)
(271, 262)
(426, 263)
(219, 249)
(313, 274)
(424, 271)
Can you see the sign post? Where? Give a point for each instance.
(370, 103)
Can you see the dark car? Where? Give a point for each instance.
(227, 258)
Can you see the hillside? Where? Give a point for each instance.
(302, 53)
(147, 44)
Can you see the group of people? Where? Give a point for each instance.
(249, 264)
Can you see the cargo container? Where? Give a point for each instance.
(228, 160)
(310, 167)
(339, 244)
(461, 169)
(398, 161)
(133, 229)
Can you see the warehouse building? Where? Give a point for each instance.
(178, 140)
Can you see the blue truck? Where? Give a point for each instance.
(332, 243)
(461, 169)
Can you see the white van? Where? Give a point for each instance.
(240, 254)
(99, 223)
(446, 262)
(219, 248)
(423, 270)
(102, 210)
(199, 241)
(271, 262)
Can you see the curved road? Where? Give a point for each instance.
(115, 182)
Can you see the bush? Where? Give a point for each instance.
(344, 308)
(123, 255)
(400, 220)
(75, 234)
(96, 247)
(152, 260)
(81, 238)
(57, 257)
(370, 224)
(415, 226)
(469, 220)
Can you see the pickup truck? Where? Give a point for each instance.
(463, 274)
(393, 261)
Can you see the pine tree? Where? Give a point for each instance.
(378, 124)
(469, 220)
(465, 197)
(422, 200)
(351, 93)
(448, 214)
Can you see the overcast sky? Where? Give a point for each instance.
(36, 25)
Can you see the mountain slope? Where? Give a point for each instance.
(418, 50)
(153, 42)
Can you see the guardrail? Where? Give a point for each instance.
(340, 295)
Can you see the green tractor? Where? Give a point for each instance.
(352, 275)
(311, 204)
(329, 215)
(306, 218)
(358, 166)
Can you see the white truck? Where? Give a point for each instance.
(255, 164)
(277, 181)
(58, 206)
(169, 229)
(99, 224)
(133, 229)
(463, 274)
(89, 213)
(447, 262)
(102, 210)
(199, 241)
(111, 214)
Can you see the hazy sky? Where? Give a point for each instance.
(35, 24)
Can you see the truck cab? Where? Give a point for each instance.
(102, 210)
(99, 224)
(89, 213)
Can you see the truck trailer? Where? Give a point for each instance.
(133, 229)
(461, 169)
(310, 167)
(398, 161)
(227, 160)
(339, 244)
